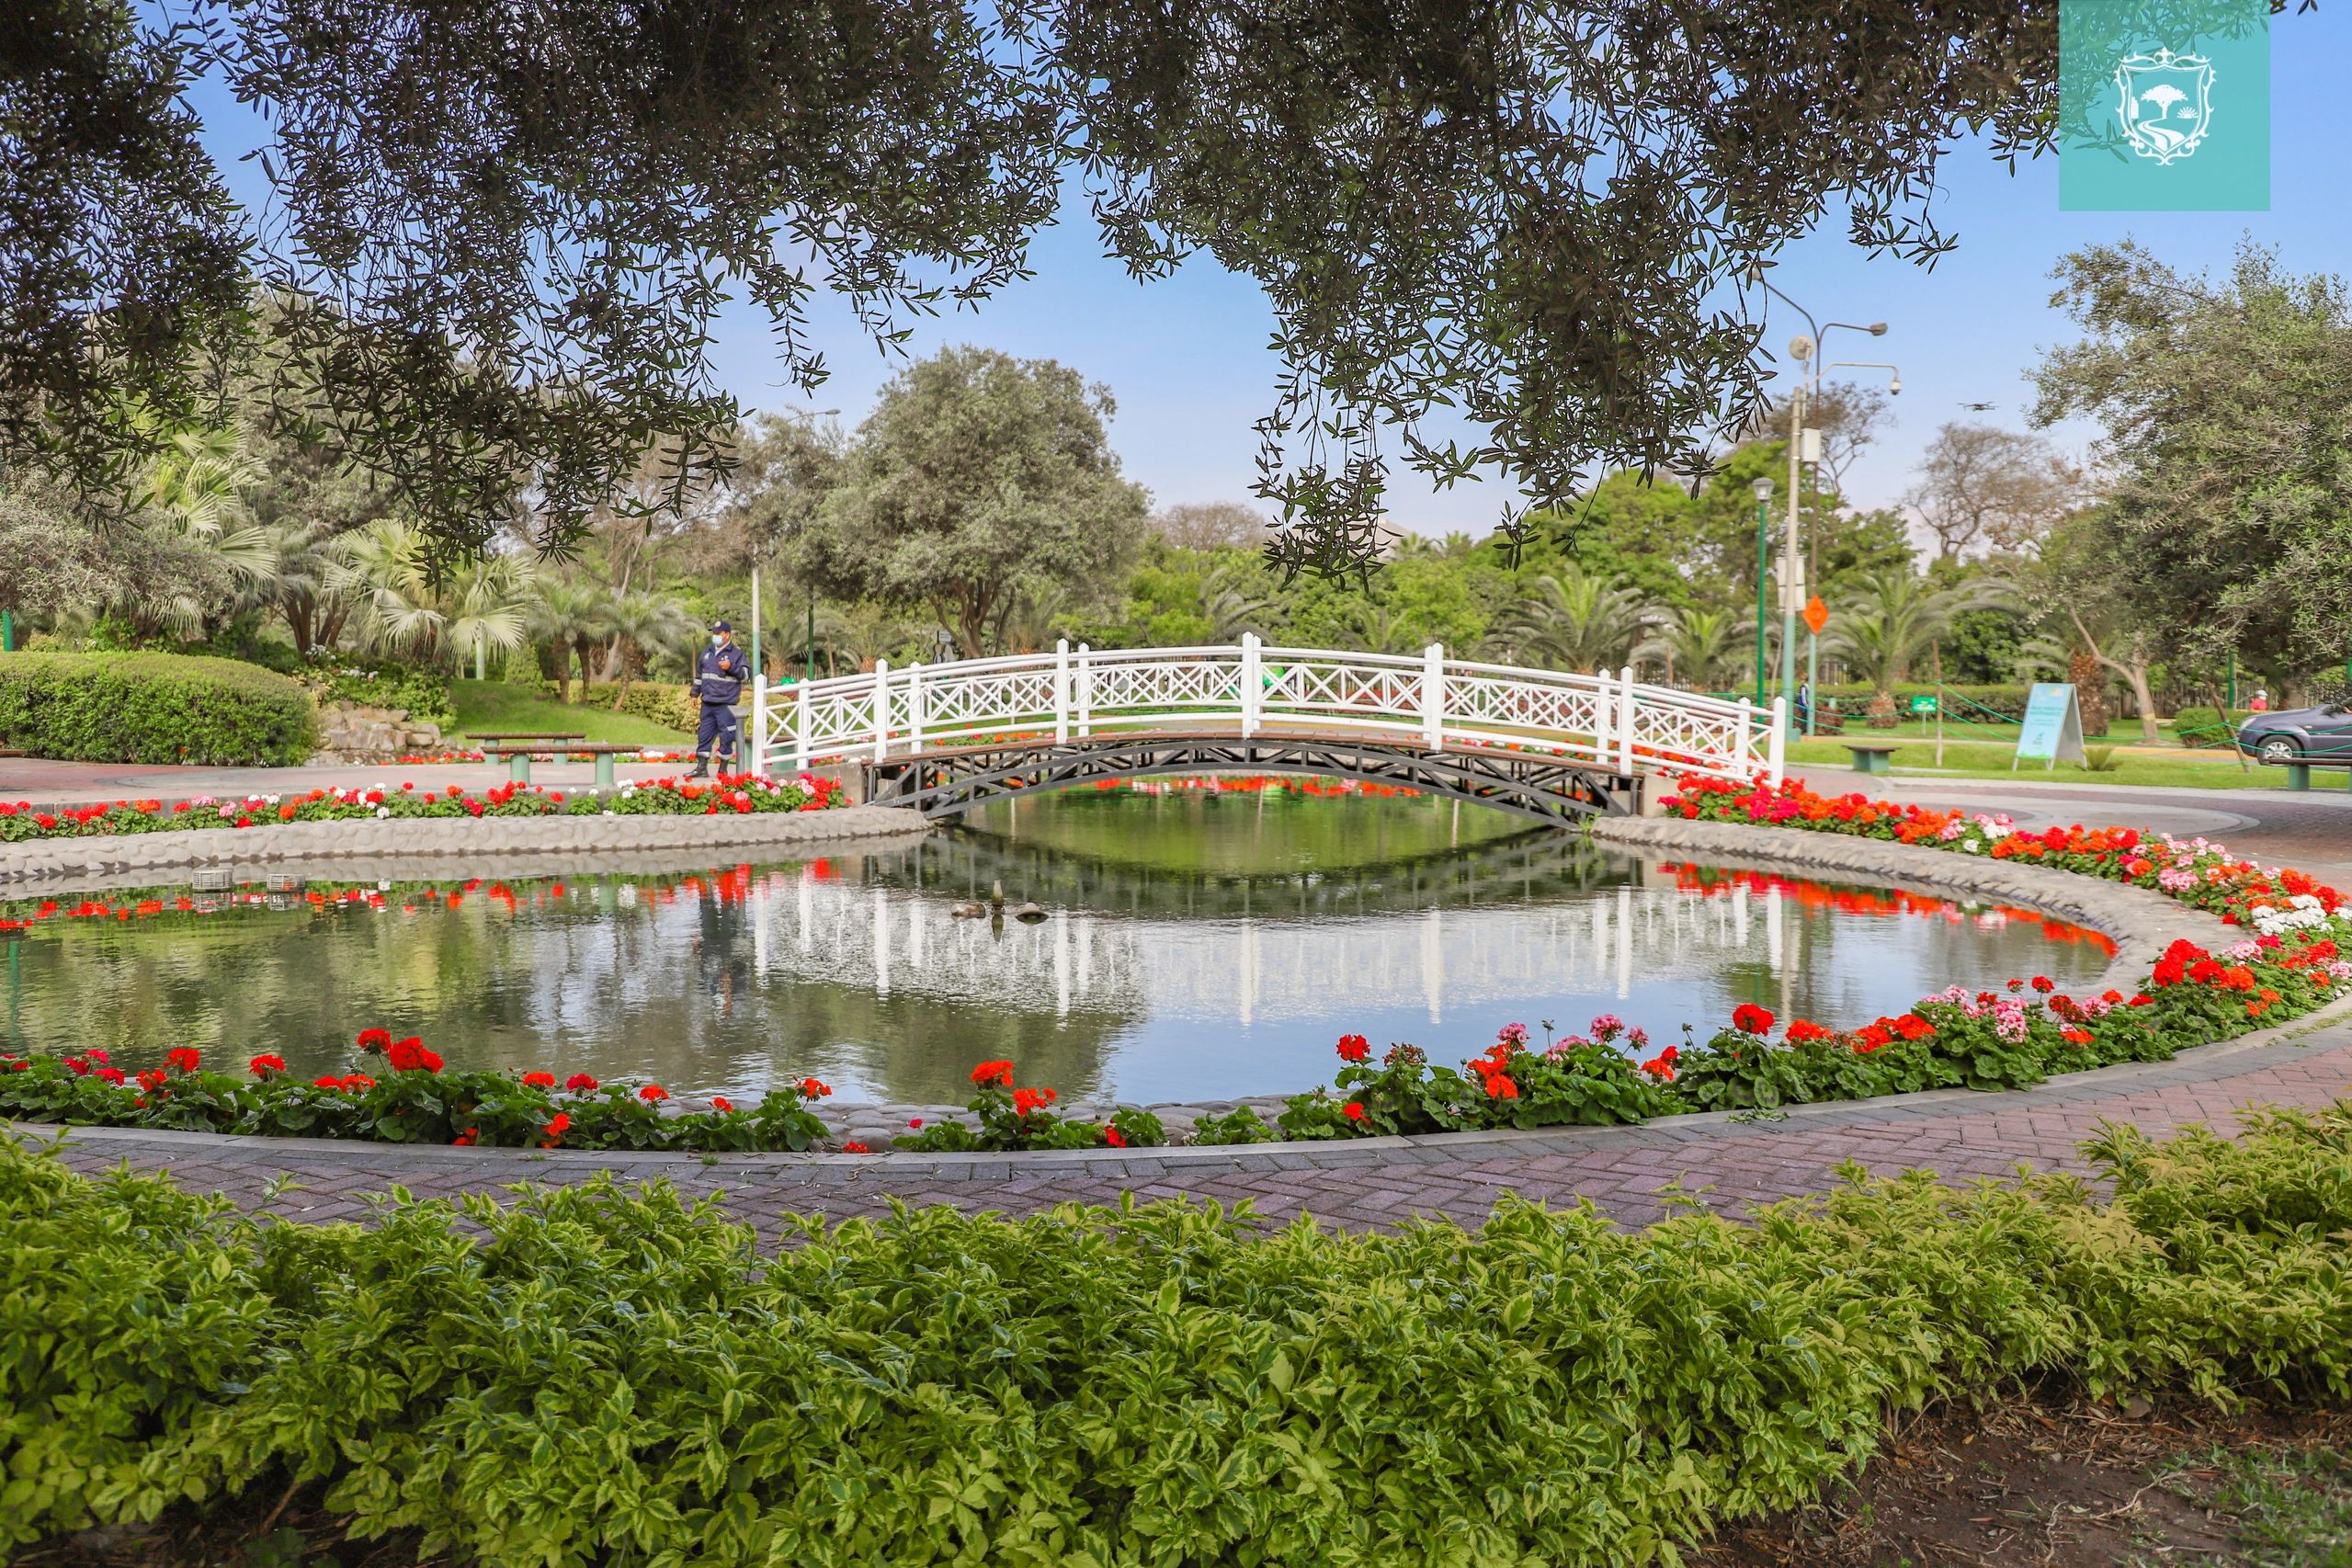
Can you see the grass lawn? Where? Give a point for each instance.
(493, 704)
(1980, 760)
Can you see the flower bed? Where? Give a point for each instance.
(742, 793)
(397, 1092)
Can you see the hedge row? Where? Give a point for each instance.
(154, 708)
(594, 1374)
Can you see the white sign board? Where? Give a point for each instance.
(2054, 727)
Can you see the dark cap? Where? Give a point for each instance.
(721, 626)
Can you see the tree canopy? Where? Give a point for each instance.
(2227, 404)
(504, 232)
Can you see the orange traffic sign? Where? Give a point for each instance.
(1816, 613)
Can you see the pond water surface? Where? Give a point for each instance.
(1196, 944)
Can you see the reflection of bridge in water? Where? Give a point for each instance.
(1547, 922)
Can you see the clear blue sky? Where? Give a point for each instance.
(1187, 362)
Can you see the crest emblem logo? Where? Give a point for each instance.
(2167, 103)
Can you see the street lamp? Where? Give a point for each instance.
(1763, 491)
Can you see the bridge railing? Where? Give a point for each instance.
(1611, 723)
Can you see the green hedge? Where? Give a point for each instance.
(1853, 696)
(158, 708)
(593, 1374)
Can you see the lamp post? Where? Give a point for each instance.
(1763, 491)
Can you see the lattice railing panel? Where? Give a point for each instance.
(1602, 721)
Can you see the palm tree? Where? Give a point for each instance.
(1701, 645)
(197, 486)
(644, 625)
(409, 610)
(571, 618)
(1888, 619)
(1231, 605)
(1574, 619)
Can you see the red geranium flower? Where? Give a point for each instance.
(721, 1103)
(989, 1072)
(1353, 1110)
(652, 1094)
(2044, 984)
(1111, 1138)
(538, 1080)
(580, 1084)
(1804, 1029)
(374, 1040)
(1027, 1100)
(854, 1147)
(556, 1129)
(812, 1089)
(183, 1059)
(264, 1065)
(1353, 1048)
(1749, 1018)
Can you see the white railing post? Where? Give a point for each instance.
(1625, 724)
(1433, 697)
(1743, 745)
(1251, 683)
(915, 706)
(800, 727)
(1061, 691)
(881, 708)
(1085, 693)
(1604, 716)
(758, 719)
(1776, 752)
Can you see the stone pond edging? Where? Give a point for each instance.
(115, 856)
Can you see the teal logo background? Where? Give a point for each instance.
(2213, 134)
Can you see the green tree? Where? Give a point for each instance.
(2227, 405)
(1699, 647)
(977, 477)
(1886, 622)
(1537, 219)
(411, 609)
(1574, 620)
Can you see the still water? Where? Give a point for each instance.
(1196, 944)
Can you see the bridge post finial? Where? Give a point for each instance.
(1433, 697)
(1625, 711)
(1061, 691)
(1253, 684)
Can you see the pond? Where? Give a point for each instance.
(1199, 942)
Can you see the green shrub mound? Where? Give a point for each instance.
(154, 708)
(597, 1375)
(670, 706)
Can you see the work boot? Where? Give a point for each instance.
(701, 768)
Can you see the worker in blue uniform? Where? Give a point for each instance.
(719, 671)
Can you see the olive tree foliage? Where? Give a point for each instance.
(2226, 519)
(505, 230)
(980, 484)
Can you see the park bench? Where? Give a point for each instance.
(2299, 769)
(1874, 758)
(518, 757)
(497, 745)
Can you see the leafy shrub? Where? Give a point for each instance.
(1853, 696)
(591, 1374)
(2207, 726)
(424, 693)
(668, 705)
(154, 708)
(1240, 1125)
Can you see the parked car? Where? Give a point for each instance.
(2300, 735)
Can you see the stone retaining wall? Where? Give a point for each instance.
(159, 856)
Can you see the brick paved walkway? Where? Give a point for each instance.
(1623, 1171)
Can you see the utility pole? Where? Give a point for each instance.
(1791, 563)
(1763, 490)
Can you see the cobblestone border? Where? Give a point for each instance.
(116, 856)
(2143, 923)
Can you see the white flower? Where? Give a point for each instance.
(382, 812)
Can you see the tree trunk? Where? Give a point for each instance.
(2083, 668)
(562, 659)
(2136, 672)
(628, 671)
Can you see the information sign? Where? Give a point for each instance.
(2054, 727)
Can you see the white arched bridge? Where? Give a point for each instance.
(942, 738)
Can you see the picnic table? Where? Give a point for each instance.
(518, 758)
(1873, 757)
